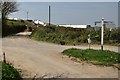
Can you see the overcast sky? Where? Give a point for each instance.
(69, 12)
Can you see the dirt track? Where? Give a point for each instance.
(42, 58)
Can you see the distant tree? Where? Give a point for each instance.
(7, 7)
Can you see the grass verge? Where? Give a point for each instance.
(9, 72)
(98, 57)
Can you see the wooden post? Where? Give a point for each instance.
(89, 41)
(4, 58)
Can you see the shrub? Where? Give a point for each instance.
(9, 72)
(58, 34)
(8, 30)
(62, 42)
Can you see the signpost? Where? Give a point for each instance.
(102, 33)
(102, 30)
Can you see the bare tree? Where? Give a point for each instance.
(7, 7)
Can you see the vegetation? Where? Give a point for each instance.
(18, 22)
(11, 26)
(9, 72)
(6, 9)
(74, 36)
(15, 26)
(8, 30)
(98, 57)
(57, 34)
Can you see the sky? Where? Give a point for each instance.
(69, 12)
(68, 0)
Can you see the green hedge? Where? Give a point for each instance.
(62, 35)
(8, 30)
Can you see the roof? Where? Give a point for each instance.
(75, 26)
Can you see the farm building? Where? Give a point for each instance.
(13, 18)
(37, 22)
(76, 26)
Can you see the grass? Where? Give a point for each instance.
(9, 72)
(106, 58)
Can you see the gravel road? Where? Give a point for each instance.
(41, 58)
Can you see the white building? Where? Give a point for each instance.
(13, 18)
(39, 22)
(75, 26)
(10, 18)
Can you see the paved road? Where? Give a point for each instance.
(43, 58)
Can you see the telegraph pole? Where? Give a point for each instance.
(102, 33)
(49, 13)
(27, 15)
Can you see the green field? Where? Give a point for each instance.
(107, 58)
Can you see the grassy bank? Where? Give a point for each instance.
(98, 57)
(9, 72)
(14, 26)
(73, 36)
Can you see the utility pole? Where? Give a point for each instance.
(102, 33)
(27, 15)
(49, 13)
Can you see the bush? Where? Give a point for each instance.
(60, 35)
(8, 30)
(62, 42)
(73, 36)
(9, 72)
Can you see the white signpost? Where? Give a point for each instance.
(102, 33)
